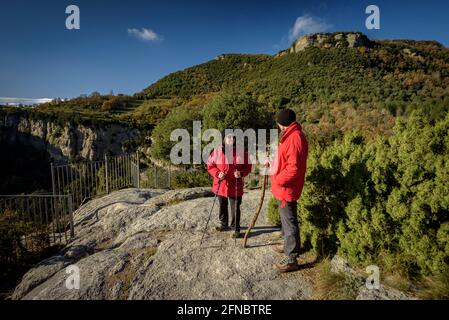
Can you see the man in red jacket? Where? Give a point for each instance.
(228, 165)
(287, 182)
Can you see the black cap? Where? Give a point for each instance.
(286, 117)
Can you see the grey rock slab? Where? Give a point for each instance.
(145, 244)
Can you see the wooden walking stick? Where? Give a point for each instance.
(253, 223)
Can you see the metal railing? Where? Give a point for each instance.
(89, 179)
(38, 221)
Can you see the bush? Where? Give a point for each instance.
(273, 212)
(16, 257)
(156, 177)
(236, 112)
(180, 118)
(191, 179)
(383, 201)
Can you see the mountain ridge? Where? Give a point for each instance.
(317, 71)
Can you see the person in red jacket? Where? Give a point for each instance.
(287, 181)
(228, 165)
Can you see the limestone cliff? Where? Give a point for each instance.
(329, 40)
(67, 140)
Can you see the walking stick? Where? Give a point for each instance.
(210, 213)
(253, 222)
(256, 215)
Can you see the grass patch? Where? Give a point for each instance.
(334, 286)
(435, 287)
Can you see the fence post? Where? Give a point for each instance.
(70, 205)
(106, 172)
(138, 171)
(155, 176)
(169, 176)
(53, 178)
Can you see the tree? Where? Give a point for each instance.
(180, 118)
(236, 112)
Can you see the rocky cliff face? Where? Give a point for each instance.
(66, 141)
(329, 40)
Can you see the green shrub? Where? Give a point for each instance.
(156, 178)
(383, 201)
(191, 179)
(236, 112)
(180, 118)
(16, 255)
(273, 212)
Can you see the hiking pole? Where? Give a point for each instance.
(236, 199)
(210, 213)
(235, 207)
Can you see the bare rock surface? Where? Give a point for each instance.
(328, 40)
(145, 244)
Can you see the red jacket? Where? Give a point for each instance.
(217, 162)
(289, 166)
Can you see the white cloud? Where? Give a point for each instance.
(145, 34)
(306, 24)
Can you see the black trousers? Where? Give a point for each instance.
(290, 228)
(235, 214)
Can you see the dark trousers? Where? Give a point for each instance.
(235, 214)
(290, 229)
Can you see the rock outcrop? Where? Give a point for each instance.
(65, 141)
(136, 244)
(145, 244)
(329, 40)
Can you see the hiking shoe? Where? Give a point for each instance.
(221, 228)
(288, 264)
(278, 248)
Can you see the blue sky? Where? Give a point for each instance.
(125, 46)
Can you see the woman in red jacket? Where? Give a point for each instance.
(228, 165)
